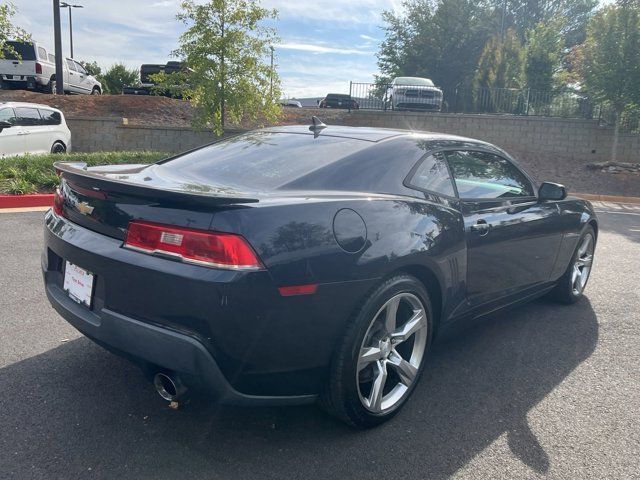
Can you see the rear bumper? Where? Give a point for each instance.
(233, 330)
(21, 81)
(158, 346)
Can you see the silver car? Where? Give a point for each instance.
(413, 93)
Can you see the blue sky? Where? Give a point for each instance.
(324, 43)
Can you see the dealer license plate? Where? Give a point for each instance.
(78, 283)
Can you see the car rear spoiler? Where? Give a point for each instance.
(98, 181)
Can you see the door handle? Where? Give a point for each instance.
(481, 227)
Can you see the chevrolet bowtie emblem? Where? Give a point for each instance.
(84, 208)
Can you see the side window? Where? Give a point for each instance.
(49, 117)
(42, 53)
(71, 64)
(480, 175)
(8, 115)
(52, 58)
(80, 68)
(28, 117)
(433, 175)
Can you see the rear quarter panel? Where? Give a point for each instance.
(297, 242)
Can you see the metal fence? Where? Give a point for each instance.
(568, 104)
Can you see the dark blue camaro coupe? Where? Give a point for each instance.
(301, 264)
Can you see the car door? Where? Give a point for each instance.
(10, 142)
(33, 130)
(85, 84)
(74, 76)
(512, 239)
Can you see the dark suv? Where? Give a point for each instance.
(338, 100)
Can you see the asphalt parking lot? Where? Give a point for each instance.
(542, 391)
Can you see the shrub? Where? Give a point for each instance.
(35, 173)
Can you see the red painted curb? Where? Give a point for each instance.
(22, 201)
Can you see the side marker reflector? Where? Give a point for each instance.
(298, 290)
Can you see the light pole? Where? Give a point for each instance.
(59, 86)
(271, 75)
(70, 6)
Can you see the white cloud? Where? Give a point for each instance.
(305, 47)
(352, 11)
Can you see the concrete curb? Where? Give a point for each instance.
(25, 201)
(607, 198)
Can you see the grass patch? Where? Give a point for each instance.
(35, 173)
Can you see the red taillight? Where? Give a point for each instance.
(309, 289)
(38, 68)
(58, 202)
(212, 249)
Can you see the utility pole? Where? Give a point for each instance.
(58, 47)
(69, 6)
(504, 13)
(271, 75)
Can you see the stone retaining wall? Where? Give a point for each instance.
(110, 134)
(583, 139)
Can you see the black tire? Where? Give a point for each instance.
(58, 147)
(565, 291)
(96, 91)
(341, 396)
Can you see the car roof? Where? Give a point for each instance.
(373, 134)
(27, 104)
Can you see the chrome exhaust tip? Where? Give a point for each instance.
(169, 386)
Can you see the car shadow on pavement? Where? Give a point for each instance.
(78, 409)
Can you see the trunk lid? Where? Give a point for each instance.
(106, 199)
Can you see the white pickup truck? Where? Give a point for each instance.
(30, 66)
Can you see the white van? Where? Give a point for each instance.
(31, 66)
(32, 128)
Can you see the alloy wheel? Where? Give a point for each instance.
(391, 353)
(582, 265)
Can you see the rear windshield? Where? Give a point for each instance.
(259, 160)
(25, 51)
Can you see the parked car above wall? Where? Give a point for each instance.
(413, 93)
(291, 103)
(32, 128)
(31, 66)
(338, 100)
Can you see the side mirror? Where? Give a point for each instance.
(4, 124)
(552, 191)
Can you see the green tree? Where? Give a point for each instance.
(226, 48)
(545, 47)
(8, 31)
(525, 15)
(444, 39)
(116, 77)
(501, 64)
(92, 68)
(611, 56)
(440, 40)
